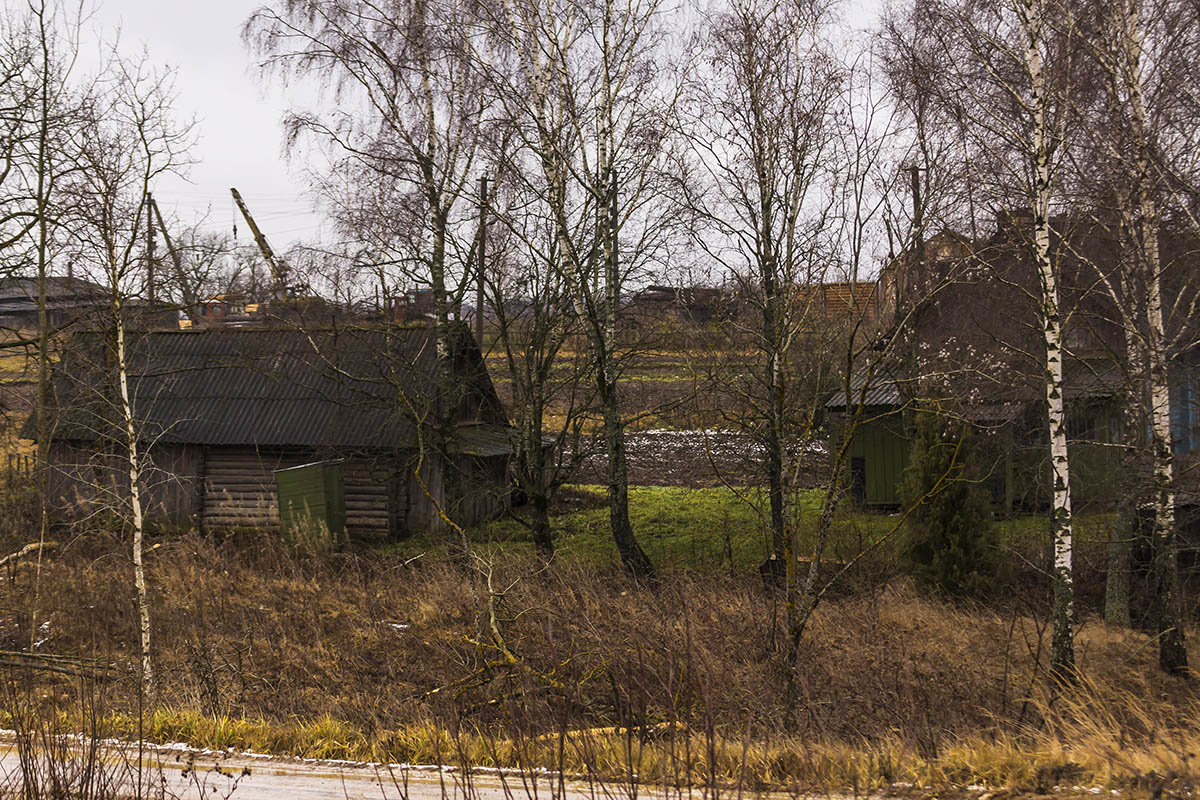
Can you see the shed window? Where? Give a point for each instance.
(1185, 414)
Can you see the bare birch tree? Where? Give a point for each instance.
(1145, 52)
(793, 158)
(762, 128)
(551, 395)
(39, 107)
(587, 92)
(403, 131)
(128, 142)
(1003, 87)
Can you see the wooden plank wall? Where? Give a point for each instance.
(76, 483)
(234, 487)
(239, 490)
(486, 489)
(171, 483)
(239, 487)
(425, 496)
(483, 481)
(83, 482)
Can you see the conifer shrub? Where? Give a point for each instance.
(951, 545)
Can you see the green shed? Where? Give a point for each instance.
(312, 492)
(878, 456)
(879, 445)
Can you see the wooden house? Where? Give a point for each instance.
(67, 300)
(967, 338)
(218, 411)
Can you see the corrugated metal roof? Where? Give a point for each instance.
(483, 440)
(24, 290)
(1080, 384)
(349, 387)
(882, 391)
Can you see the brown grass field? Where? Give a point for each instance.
(379, 656)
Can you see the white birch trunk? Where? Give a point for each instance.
(1172, 649)
(135, 497)
(1062, 657)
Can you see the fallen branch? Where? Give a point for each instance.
(48, 662)
(26, 550)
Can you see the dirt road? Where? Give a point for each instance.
(195, 776)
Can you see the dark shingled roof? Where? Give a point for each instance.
(25, 290)
(350, 387)
(882, 391)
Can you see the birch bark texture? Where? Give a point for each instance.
(587, 99)
(1145, 52)
(402, 132)
(761, 134)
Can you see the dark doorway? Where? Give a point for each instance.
(858, 480)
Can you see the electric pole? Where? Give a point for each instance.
(150, 248)
(483, 209)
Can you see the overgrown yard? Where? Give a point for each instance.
(407, 654)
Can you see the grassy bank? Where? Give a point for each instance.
(1084, 741)
(384, 655)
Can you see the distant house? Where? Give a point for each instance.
(839, 301)
(701, 305)
(970, 335)
(1009, 440)
(219, 410)
(222, 309)
(67, 300)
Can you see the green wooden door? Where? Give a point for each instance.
(879, 450)
(312, 494)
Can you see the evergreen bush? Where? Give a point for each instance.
(951, 545)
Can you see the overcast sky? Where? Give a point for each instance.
(238, 115)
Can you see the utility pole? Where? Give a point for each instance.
(918, 228)
(483, 209)
(150, 248)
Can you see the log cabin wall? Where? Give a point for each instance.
(375, 508)
(220, 488)
(239, 485)
(239, 490)
(225, 408)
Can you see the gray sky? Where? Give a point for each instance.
(237, 114)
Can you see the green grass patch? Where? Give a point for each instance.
(679, 528)
(719, 529)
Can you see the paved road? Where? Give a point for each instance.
(195, 776)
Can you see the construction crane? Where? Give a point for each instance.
(188, 296)
(276, 265)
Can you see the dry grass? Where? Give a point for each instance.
(364, 657)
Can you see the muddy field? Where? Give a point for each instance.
(698, 459)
